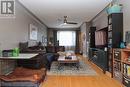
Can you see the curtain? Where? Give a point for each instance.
(55, 37)
(100, 37)
(77, 47)
(67, 39)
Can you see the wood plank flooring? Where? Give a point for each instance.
(101, 80)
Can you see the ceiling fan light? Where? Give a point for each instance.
(65, 23)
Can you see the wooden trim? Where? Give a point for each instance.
(31, 13)
(102, 11)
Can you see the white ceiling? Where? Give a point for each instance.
(51, 12)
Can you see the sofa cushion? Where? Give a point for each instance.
(34, 63)
(50, 49)
(36, 48)
(50, 57)
(23, 46)
(59, 48)
(24, 74)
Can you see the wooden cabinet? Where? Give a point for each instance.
(126, 62)
(126, 66)
(121, 65)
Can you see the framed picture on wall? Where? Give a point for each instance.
(33, 32)
(84, 37)
(44, 39)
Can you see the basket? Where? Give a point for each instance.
(114, 9)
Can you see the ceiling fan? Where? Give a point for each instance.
(66, 22)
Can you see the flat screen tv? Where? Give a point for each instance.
(101, 38)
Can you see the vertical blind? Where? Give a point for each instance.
(66, 38)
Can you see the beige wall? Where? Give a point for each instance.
(101, 20)
(83, 40)
(15, 30)
(50, 35)
(126, 14)
(84, 45)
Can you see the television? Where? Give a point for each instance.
(101, 38)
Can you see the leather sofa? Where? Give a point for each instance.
(40, 61)
(46, 55)
(49, 49)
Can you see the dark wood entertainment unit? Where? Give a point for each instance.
(96, 52)
(99, 57)
(114, 37)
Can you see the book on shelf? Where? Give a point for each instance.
(124, 66)
(126, 69)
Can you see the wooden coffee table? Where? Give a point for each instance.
(62, 60)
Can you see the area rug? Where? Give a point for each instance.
(83, 70)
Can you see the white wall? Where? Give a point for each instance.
(15, 30)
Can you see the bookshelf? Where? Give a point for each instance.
(126, 62)
(125, 55)
(121, 65)
(115, 36)
(117, 64)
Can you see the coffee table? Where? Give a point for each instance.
(63, 61)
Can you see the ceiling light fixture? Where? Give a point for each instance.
(65, 23)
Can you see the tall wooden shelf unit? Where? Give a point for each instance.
(126, 67)
(115, 35)
(117, 64)
(121, 66)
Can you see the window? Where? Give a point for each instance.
(66, 38)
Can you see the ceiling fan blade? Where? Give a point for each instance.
(65, 19)
(71, 23)
(66, 22)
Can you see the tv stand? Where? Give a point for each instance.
(99, 57)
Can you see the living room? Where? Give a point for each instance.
(64, 43)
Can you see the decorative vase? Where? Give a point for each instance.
(122, 45)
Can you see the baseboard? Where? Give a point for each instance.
(108, 74)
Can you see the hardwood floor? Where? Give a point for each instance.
(101, 80)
